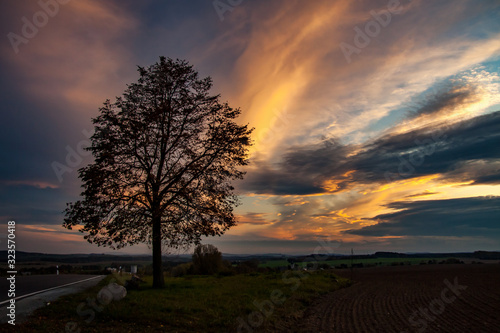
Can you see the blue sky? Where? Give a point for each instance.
(376, 122)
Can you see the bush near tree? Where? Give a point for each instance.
(207, 260)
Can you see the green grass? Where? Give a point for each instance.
(191, 304)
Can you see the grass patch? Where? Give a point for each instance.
(191, 304)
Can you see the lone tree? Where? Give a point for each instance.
(164, 157)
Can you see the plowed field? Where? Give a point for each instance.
(426, 298)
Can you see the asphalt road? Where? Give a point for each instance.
(33, 283)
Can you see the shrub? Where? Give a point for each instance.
(207, 260)
(248, 266)
(182, 269)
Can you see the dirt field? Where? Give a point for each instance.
(426, 298)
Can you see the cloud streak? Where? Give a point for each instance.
(447, 150)
(452, 217)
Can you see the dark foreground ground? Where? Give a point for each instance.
(426, 298)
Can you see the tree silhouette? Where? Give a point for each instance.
(164, 157)
(207, 259)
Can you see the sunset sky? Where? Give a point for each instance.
(377, 123)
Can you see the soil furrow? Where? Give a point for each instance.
(411, 299)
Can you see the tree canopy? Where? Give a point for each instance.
(165, 154)
(207, 259)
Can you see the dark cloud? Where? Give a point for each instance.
(480, 171)
(264, 179)
(452, 217)
(489, 179)
(432, 150)
(31, 204)
(301, 172)
(445, 100)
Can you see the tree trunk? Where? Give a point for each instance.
(158, 281)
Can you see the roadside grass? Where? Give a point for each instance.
(190, 304)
